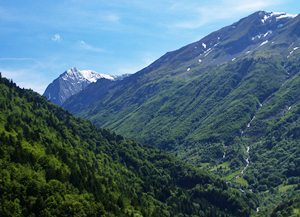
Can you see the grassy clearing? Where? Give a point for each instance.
(284, 188)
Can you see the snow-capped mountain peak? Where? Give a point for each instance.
(72, 73)
(93, 76)
(72, 81)
(84, 75)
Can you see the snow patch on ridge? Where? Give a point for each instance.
(263, 43)
(267, 33)
(207, 52)
(261, 35)
(285, 15)
(277, 15)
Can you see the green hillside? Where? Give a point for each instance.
(230, 107)
(178, 100)
(53, 164)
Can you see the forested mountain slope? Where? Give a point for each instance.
(53, 164)
(228, 103)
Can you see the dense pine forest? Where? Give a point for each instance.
(53, 164)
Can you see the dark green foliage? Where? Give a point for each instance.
(287, 208)
(53, 164)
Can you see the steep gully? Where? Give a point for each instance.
(247, 158)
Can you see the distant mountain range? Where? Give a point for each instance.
(73, 81)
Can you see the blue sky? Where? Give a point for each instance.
(40, 39)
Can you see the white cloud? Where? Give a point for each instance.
(85, 46)
(26, 78)
(199, 15)
(112, 18)
(248, 5)
(30, 72)
(56, 38)
(16, 59)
